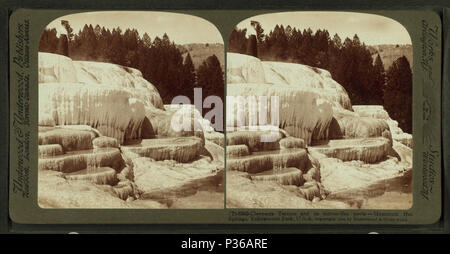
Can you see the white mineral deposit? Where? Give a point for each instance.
(105, 141)
(328, 154)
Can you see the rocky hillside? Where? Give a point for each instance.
(326, 153)
(200, 51)
(390, 53)
(106, 140)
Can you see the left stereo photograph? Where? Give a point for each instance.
(131, 112)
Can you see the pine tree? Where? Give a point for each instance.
(146, 40)
(320, 48)
(356, 40)
(210, 77)
(280, 43)
(116, 54)
(49, 41)
(337, 42)
(189, 78)
(98, 31)
(252, 46)
(69, 29)
(237, 42)
(334, 53)
(304, 53)
(378, 77)
(398, 93)
(104, 45)
(131, 43)
(259, 31)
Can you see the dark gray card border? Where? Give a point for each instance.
(240, 228)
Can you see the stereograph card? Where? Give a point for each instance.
(225, 116)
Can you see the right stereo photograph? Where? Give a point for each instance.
(319, 112)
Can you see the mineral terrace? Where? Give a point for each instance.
(105, 141)
(327, 153)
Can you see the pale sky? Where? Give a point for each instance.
(371, 29)
(180, 28)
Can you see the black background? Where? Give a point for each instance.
(174, 241)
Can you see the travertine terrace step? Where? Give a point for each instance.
(369, 150)
(253, 140)
(181, 149)
(78, 160)
(69, 139)
(236, 151)
(46, 151)
(285, 176)
(267, 160)
(292, 142)
(100, 175)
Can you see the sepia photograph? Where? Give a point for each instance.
(130, 112)
(319, 112)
